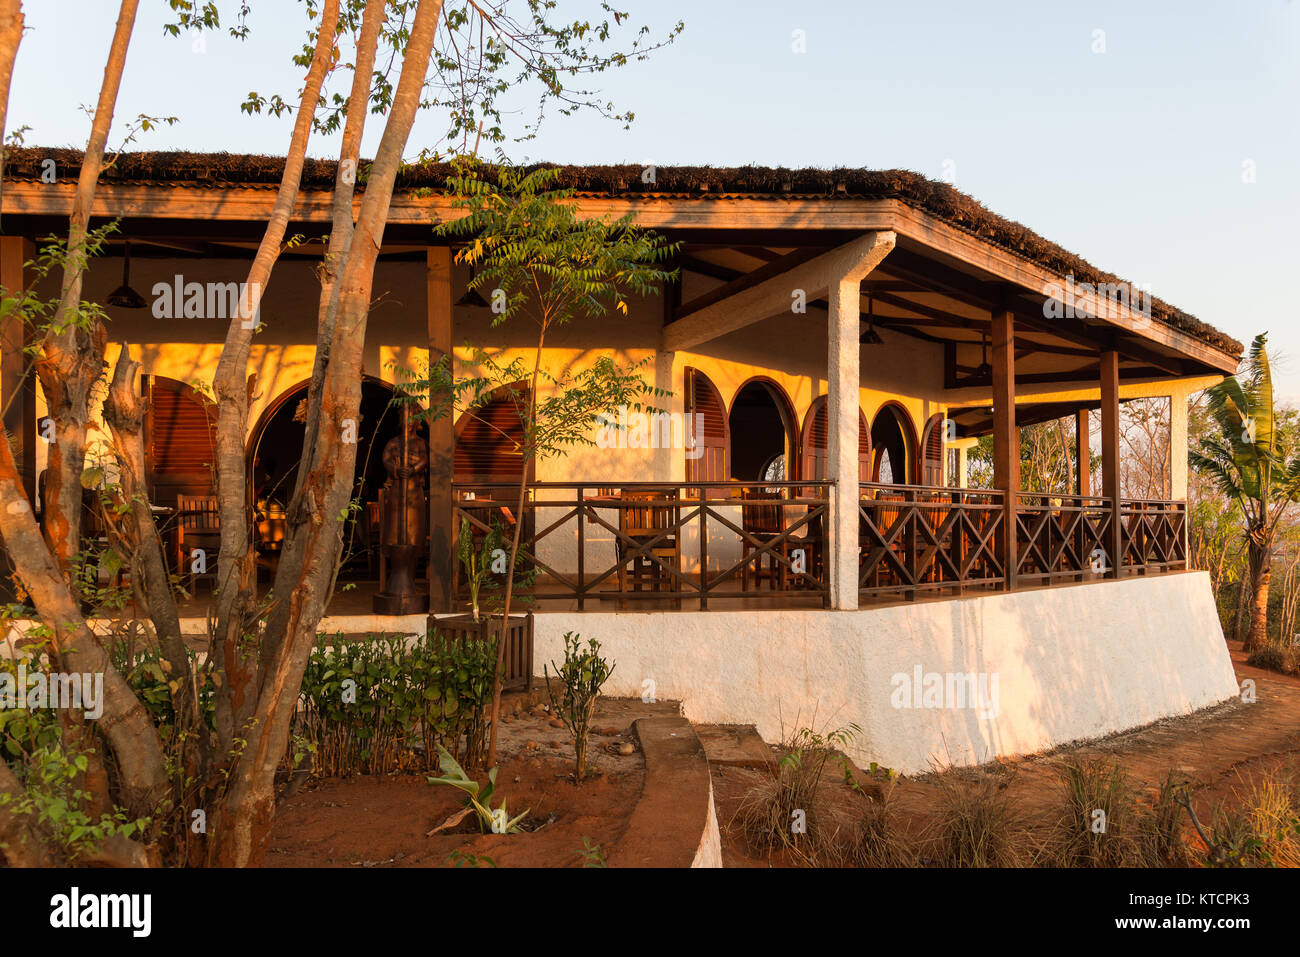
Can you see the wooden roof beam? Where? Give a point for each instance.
(750, 298)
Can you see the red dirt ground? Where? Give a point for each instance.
(1222, 751)
(383, 821)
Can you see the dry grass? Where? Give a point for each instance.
(881, 839)
(1097, 821)
(1273, 813)
(785, 812)
(1162, 829)
(977, 824)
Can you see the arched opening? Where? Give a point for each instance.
(932, 447)
(710, 459)
(763, 429)
(489, 440)
(275, 452)
(893, 461)
(815, 443)
(180, 441)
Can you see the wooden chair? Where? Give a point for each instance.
(937, 507)
(639, 522)
(198, 525)
(761, 515)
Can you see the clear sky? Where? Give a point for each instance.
(1159, 140)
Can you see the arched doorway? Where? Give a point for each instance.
(762, 426)
(815, 443)
(275, 453)
(894, 458)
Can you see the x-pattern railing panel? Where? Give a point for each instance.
(923, 539)
(1154, 534)
(570, 524)
(1061, 536)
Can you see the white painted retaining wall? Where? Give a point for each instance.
(1071, 663)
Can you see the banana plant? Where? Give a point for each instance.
(478, 562)
(497, 820)
(1245, 456)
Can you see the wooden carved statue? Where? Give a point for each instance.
(404, 522)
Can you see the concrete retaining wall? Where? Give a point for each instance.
(1054, 665)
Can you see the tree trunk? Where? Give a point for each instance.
(235, 667)
(244, 818)
(125, 723)
(300, 513)
(11, 34)
(124, 415)
(1261, 573)
(1240, 620)
(71, 358)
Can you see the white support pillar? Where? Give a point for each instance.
(843, 391)
(843, 384)
(1178, 446)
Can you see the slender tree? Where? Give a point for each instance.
(543, 263)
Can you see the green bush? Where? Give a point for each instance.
(368, 703)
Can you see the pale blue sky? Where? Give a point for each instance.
(1132, 157)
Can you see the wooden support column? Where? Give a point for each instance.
(1006, 437)
(1083, 453)
(1110, 459)
(442, 531)
(15, 391)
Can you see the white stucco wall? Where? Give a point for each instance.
(1070, 663)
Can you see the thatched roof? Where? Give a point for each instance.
(229, 170)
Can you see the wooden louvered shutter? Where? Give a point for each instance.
(181, 440)
(713, 463)
(864, 449)
(932, 472)
(489, 444)
(815, 444)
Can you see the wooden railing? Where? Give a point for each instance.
(915, 540)
(694, 542)
(1155, 534)
(1062, 537)
(660, 542)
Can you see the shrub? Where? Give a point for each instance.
(367, 703)
(581, 677)
(1273, 657)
